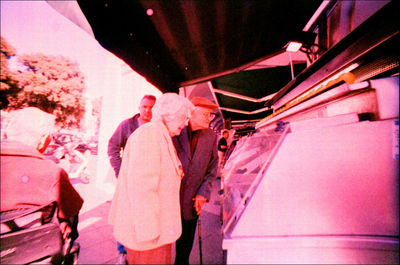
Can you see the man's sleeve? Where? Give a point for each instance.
(114, 148)
(211, 172)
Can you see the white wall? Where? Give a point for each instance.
(34, 26)
(120, 101)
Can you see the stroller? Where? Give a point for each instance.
(33, 236)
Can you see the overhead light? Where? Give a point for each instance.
(301, 39)
(294, 46)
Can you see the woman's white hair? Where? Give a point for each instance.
(29, 126)
(169, 105)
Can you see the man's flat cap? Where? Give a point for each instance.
(203, 102)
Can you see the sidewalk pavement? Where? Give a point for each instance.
(98, 245)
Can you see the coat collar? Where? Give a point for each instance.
(183, 141)
(14, 148)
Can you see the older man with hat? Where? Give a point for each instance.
(197, 149)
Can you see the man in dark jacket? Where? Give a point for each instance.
(222, 148)
(118, 140)
(197, 149)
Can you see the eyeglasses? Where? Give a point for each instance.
(205, 112)
(209, 115)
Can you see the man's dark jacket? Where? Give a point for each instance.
(118, 141)
(200, 170)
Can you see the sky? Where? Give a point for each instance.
(34, 26)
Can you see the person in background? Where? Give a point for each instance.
(145, 210)
(118, 140)
(222, 148)
(29, 179)
(197, 150)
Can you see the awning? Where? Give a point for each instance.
(176, 43)
(237, 46)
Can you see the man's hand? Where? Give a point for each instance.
(198, 203)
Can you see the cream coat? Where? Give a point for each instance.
(145, 210)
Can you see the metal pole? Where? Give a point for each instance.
(199, 233)
(291, 64)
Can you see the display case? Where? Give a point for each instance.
(320, 194)
(244, 169)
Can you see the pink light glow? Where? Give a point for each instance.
(149, 12)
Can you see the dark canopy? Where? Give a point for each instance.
(182, 43)
(174, 43)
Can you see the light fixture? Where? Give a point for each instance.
(301, 39)
(293, 46)
(305, 42)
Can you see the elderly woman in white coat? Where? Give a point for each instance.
(145, 210)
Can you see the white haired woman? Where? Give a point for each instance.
(145, 210)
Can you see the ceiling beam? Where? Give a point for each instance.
(244, 111)
(242, 97)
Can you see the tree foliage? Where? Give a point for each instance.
(52, 83)
(8, 84)
(6, 52)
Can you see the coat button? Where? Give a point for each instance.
(25, 179)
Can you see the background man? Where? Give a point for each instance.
(222, 147)
(118, 140)
(197, 149)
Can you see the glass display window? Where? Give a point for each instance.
(245, 168)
